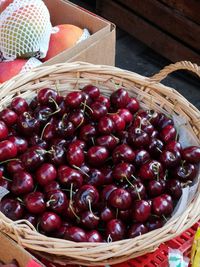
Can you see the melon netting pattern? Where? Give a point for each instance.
(31, 63)
(25, 30)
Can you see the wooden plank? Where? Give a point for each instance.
(189, 8)
(149, 34)
(167, 19)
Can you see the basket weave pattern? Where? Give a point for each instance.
(151, 94)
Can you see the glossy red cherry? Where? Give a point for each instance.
(185, 172)
(108, 189)
(126, 115)
(154, 223)
(96, 177)
(119, 123)
(120, 98)
(141, 211)
(3, 130)
(164, 121)
(33, 158)
(89, 220)
(31, 218)
(94, 236)
(35, 202)
(141, 157)
(21, 143)
(22, 183)
(191, 154)
(64, 128)
(151, 115)
(133, 105)
(87, 195)
(156, 147)
(87, 132)
(46, 174)
(144, 124)
(120, 199)
(138, 138)
(11, 208)
(76, 117)
(19, 105)
(106, 125)
(170, 159)
(150, 170)
(76, 234)
(108, 141)
(68, 176)
(92, 91)
(97, 111)
(173, 188)
(108, 177)
(8, 150)
(137, 229)
(74, 99)
(104, 100)
(107, 214)
(46, 96)
(50, 222)
(75, 155)
(123, 171)
(36, 140)
(52, 186)
(57, 201)
(42, 114)
(162, 205)
(14, 166)
(27, 124)
(8, 116)
(137, 191)
(155, 188)
(115, 230)
(97, 155)
(123, 153)
(168, 133)
(48, 132)
(57, 155)
(173, 146)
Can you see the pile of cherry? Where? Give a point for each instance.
(89, 168)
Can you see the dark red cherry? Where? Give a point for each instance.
(170, 159)
(97, 111)
(123, 171)
(137, 229)
(87, 195)
(141, 211)
(47, 96)
(191, 154)
(144, 124)
(35, 202)
(36, 140)
(138, 138)
(154, 223)
(108, 189)
(79, 143)
(108, 141)
(162, 205)
(120, 98)
(76, 117)
(19, 105)
(33, 158)
(168, 133)
(52, 186)
(155, 147)
(126, 115)
(8, 150)
(104, 100)
(133, 105)
(124, 215)
(31, 218)
(74, 99)
(141, 157)
(150, 170)
(155, 188)
(123, 153)
(137, 191)
(106, 125)
(173, 146)
(68, 176)
(50, 222)
(115, 230)
(185, 172)
(155, 134)
(46, 174)
(87, 132)
(75, 155)
(97, 155)
(48, 132)
(96, 177)
(3, 130)
(119, 123)
(108, 177)
(42, 114)
(22, 183)
(57, 201)
(120, 199)
(92, 91)
(11, 208)
(107, 214)
(89, 220)
(8, 116)
(94, 236)
(151, 115)
(76, 234)
(14, 166)
(164, 121)
(57, 155)
(27, 124)
(173, 188)
(64, 129)
(20, 143)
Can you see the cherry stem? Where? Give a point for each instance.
(117, 213)
(53, 100)
(109, 239)
(164, 218)
(182, 163)
(93, 142)
(79, 169)
(71, 202)
(134, 177)
(41, 137)
(80, 123)
(8, 160)
(36, 187)
(37, 226)
(90, 208)
(86, 106)
(63, 117)
(159, 149)
(134, 186)
(21, 201)
(50, 201)
(116, 138)
(6, 179)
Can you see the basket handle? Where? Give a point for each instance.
(182, 65)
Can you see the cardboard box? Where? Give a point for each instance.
(10, 250)
(99, 48)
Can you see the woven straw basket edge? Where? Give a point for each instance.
(152, 94)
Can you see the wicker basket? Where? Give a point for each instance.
(151, 94)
